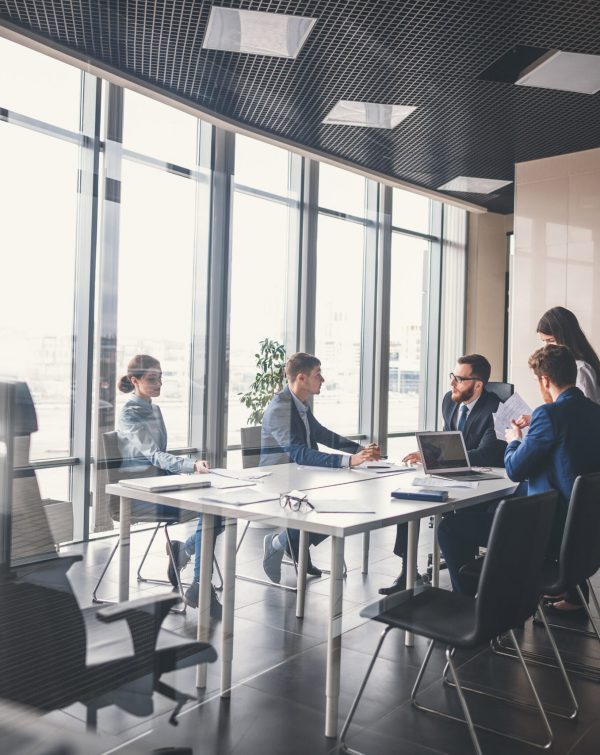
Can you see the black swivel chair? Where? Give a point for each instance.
(115, 469)
(503, 390)
(48, 662)
(508, 594)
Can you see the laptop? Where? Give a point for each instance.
(444, 455)
(167, 482)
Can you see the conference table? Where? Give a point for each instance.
(352, 488)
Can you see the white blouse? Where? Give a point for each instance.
(587, 381)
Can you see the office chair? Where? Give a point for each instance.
(508, 593)
(579, 559)
(48, 662)
(38, 525)
(503, 390)
(115, 469)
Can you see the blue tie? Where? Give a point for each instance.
(462, 420)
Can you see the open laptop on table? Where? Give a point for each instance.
(444, 455)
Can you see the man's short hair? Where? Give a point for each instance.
(300, 363)
(556, 363)
(480, 367)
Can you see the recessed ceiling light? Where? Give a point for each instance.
(567, 71)
(370, 114)
(471, 185)
(256, 32)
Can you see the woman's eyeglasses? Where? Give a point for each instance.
(295, 503)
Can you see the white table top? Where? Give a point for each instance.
(344, 485)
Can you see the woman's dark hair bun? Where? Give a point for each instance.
(125, 385)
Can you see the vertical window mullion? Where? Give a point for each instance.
(83, 335)
(108, 285)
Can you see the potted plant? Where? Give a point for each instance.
(269, 378)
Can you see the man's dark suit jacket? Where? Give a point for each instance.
(484, 449)
(283, 437)
(563, 442)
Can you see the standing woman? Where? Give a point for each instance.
(559, 325)
(143, 441)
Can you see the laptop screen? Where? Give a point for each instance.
(443, 451)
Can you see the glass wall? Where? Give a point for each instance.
(339, 296)
(153, 261)
(265, 206)
(38, 209)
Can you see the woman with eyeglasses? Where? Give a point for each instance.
(143, 441)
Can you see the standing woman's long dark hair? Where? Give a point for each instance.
(563, 326)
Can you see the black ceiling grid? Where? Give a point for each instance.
(427, 53)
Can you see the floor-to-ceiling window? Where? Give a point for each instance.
(149, 269)
(40, 145)
(339, 296)
(264, 222)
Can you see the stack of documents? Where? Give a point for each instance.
(508, 411)
(443, 482)
(382, 467)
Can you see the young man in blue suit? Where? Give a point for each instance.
(563, 442)
(290, 433)
(467, 407)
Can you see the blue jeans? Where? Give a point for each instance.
(193, 545)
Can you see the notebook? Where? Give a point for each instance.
(167, 483)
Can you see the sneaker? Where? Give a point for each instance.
(192, 595)
(181, 557)
(398, 584)
(272, 559)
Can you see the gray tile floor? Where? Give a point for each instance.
(277, 701)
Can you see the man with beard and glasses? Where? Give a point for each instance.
(467, 407)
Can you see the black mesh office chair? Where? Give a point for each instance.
(48, 662)
(508, 594)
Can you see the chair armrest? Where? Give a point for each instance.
(120, 611)
(144, 617)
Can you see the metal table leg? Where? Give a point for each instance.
(365, 552)
(411, 566)
(435, 572)
(124, 554)
(228, 605)
(334, 636)
(206, 556)
(301, 576)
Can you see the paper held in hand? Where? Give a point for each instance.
(508, 411)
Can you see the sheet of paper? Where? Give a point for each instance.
(253, 473)
(511, 409)
(439, 482)
(382, 468)
(240, 496)
(342, 507)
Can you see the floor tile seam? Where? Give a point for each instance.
(288, 631)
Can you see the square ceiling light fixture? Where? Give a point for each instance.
(370, 114)
(567, 71)
(256, 32)
(471, 185)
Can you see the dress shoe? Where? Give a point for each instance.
(191, 599)
(398, 584)
(181, 558)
